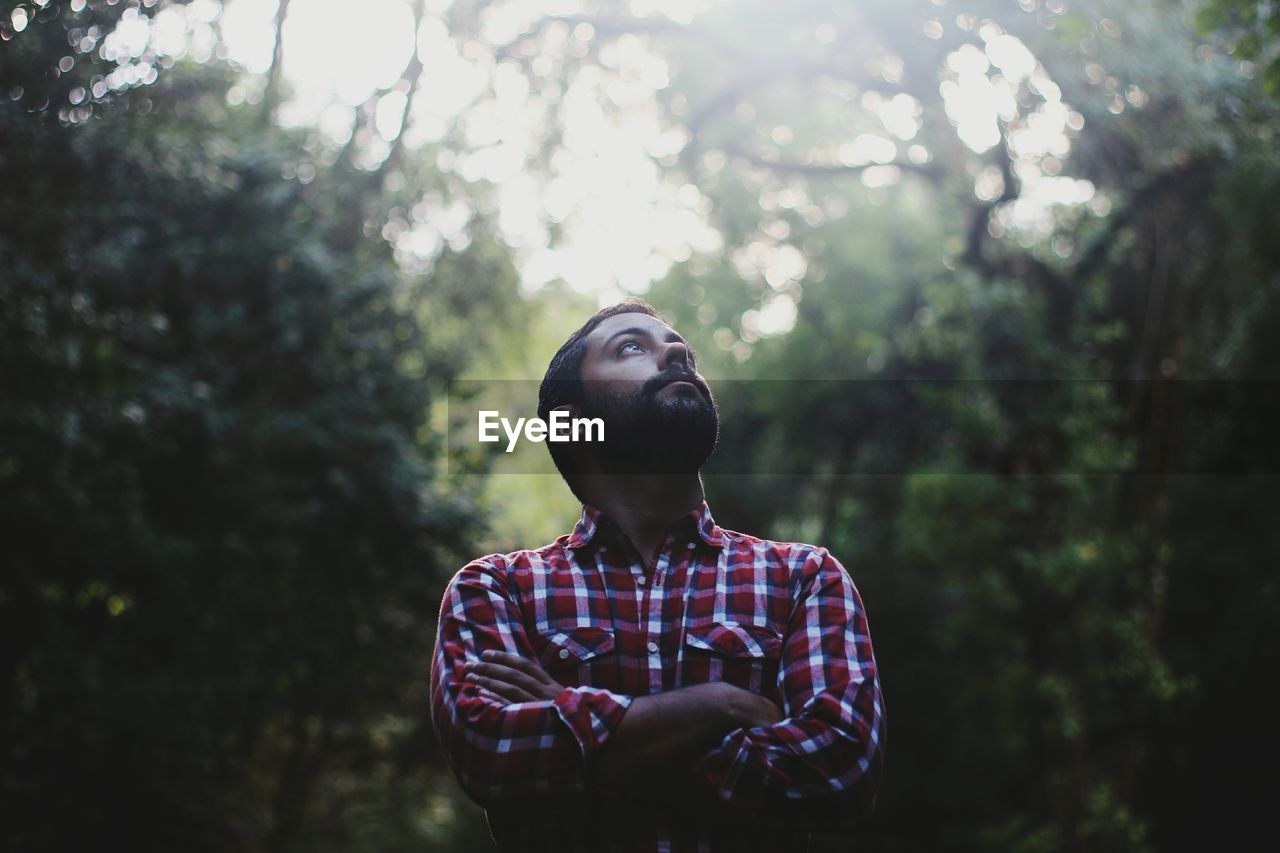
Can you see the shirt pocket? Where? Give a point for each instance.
(741, 654)
(574, 656)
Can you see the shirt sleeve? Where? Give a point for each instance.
(501, 750)
(828, 751)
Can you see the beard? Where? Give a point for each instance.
(646, 434)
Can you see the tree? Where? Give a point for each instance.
(227, 535)
(1000, 455)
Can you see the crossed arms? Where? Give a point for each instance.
(510, 730)
(660, 730)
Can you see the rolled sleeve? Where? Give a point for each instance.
(503, 750)
(829, 749)
(592, 714)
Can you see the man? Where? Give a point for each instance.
(652, 681)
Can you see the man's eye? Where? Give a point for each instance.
(622, 347)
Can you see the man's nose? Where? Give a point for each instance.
(675, 353)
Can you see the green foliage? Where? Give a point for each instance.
(1009, 502)
(224, 545)
(1255, 28)
(220, 460)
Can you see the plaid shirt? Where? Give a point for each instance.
(780, 619)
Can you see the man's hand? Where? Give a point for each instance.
(512, 677)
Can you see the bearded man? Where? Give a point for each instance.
(651, 680)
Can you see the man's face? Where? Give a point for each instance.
(639, 375)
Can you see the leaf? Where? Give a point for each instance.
(1271, 79)
(1248, 46)
(1211, 18)
(1073, 26)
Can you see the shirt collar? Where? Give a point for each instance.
(593, 520)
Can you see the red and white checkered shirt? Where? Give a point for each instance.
(781, 619)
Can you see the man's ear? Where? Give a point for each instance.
(568, 408)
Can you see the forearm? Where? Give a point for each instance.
(509, 746)
(663, 735)
(827, 757)
(809, 759)
(506, 751)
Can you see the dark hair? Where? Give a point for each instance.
(562, 383)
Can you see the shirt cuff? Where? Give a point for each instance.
(735, 774)
(592, 714)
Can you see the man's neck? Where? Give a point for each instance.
(644, 504)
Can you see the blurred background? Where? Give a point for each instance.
(245, 247)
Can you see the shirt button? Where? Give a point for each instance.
(564, 653)
(689, 546)
(640, 580)
(604, 548)
(653, 647)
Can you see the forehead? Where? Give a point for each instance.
(618, 322)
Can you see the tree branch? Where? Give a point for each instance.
(618, 27)
(981, 222)
(824, 169)
(413, 76)
(271, 97)
(1096, 252)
